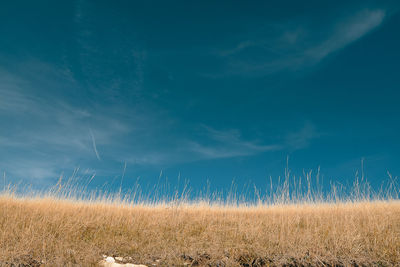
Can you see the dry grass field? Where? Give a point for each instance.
(51, 231)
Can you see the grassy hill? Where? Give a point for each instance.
(49, 230)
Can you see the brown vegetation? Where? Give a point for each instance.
(51, 232)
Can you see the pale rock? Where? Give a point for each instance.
(110, 262)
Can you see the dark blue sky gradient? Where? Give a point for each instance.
(206, 90)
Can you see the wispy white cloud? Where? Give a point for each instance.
(209, 143)
(220, 144)
(207, 152)
(39, 136)
(346, 32)
(229, 143)
(28, 169)
(137, 139)
(297, 47)
(49, 134)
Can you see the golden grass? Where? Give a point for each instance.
(66, 233)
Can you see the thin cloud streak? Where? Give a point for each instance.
(94, 144)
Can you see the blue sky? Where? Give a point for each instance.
(204, 90)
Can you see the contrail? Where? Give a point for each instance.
(94, 145)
